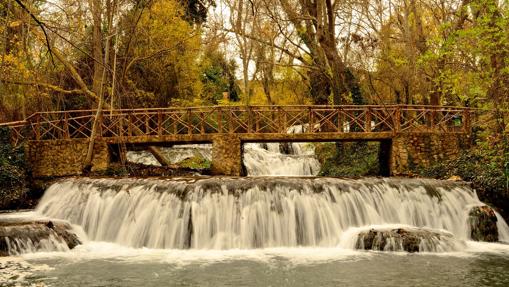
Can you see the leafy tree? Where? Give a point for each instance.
(218, 78)
(196, 10)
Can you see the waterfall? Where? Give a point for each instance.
(25, 232)
(287, 159)
(292, 159)
(262, 212)
(174, 154)
(271, 159)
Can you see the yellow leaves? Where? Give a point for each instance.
(15, 24)
(15, 67)
(167, 52)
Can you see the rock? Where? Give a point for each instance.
(285, 148)
(406, 239)
(455, 178)
(483, 224)
(17, 237)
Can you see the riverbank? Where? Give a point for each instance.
(485, 169)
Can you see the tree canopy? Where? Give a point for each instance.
(57, 55)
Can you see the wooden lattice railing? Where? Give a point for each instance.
(123, 125)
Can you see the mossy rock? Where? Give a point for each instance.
(196, 163)
(16, 234)
(401, 239)
(483, 224)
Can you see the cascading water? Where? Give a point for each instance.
(226, 213)
(292, 159)
(271, 159)
(174, 154)
(139, 231)
(283, 159)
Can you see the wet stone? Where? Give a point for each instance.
(17, 237)
(401, 239)
(483, 224)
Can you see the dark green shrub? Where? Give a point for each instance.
(13, 175)
(484, 166)
(357, 159)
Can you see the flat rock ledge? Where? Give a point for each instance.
(483, 224)
(17, 237)
(406, 239)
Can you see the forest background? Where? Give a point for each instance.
(66, 55)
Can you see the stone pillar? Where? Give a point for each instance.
(227, 155)
(65, 157)
(410, 151)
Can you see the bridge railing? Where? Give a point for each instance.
(124, 124)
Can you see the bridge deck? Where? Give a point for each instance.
(250, 123)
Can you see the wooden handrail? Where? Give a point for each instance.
(260, 106)
(118, 125)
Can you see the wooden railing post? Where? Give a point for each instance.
(397, 119)
(202, 121)
(339, 128)
(311, 120)
(230, 124)
(257, 122)
(120, 123)
(159, 123)
(189, 123)
(466, 121)
(433, 117)
(174, 122)
(38, 127)
(367, 124)
(129, 124)
(147, 123)
(220, 120)
(100, 125)
(249, 119)
(67, 134)
(280, 123)
(283, 120)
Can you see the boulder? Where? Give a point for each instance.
(17, 237)
(455, 178)
(406, 239)
(483, 224)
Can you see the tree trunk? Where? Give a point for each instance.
(98, 85)
(97, 47)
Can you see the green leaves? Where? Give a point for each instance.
(12, 171)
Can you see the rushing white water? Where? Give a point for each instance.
(268, 159)
(226, 213)
(174, 154)
(283, 159)
(431, 240)
(292, 159)
(21, 246)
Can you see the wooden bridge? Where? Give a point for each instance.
(230, 126)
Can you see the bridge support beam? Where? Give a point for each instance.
(227, 155)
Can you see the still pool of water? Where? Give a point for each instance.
(95, 264)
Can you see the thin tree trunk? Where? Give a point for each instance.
(87, 165)
(97, 38)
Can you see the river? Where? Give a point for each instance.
(263, 230)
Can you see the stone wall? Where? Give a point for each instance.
(227, 155)
(410, 151)
(64, 157)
